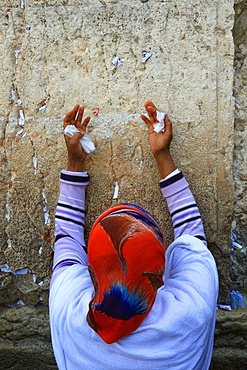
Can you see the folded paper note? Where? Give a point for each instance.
(86, 142)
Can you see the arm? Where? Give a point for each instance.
(185, 214)
(182, 206)
(69, 245)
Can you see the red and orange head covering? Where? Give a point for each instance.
(126, 260)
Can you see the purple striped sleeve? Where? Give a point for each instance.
(69, 245)
(183, 209)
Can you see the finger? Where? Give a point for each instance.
(146, 104)
(85, 123)
(70, 116)
(150, 104)
(79, 116)
(152, 112)
(76, 137)
(146, 120)
(151, 109)
(168, 124)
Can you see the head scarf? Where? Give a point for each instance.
(126, 260)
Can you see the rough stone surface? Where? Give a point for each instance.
(230, 347)
(65, 56)
(239, 258)
(25, 340)
(55, 54)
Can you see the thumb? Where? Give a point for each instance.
(76, 137)
(168, 124)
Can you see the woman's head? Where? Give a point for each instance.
(126, 259)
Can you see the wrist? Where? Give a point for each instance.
(165, 163)
(75, 166)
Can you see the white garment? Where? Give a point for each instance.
(177, 334)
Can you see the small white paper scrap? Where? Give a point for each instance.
(18, 303)
(5, 268)
(17, 53)
(43, 104)
(160, 126)
(86, 142)
(7, 215)
(115, 195)
(225, 307)
(46, 213)
(35, 163)
(23, 271)
(22, 118)
(42, 108)
(117, 62)
(146, 56)
(13, 94)
(20, 132)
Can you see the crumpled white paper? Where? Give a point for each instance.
(86, 142)
(146, 56)
(235, 245)
(160, 126)
(22, 118)
(116, 189)
(117, 62)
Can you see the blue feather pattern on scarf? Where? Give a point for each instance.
(120, 303)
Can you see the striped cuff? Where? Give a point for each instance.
(173, 184)
(74, 178)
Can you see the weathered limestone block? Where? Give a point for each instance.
(230, 347)
(25, 339)
(55, 54)
(239, 258)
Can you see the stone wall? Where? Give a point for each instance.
(58, 53)
(25, 340)
(239, 258)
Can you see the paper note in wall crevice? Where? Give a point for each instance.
(117, 62)
(146, 56)
(21, 118)
(86, 142)
(116, 189)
